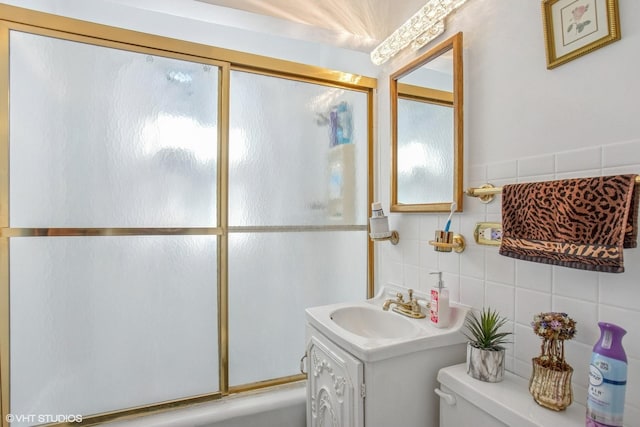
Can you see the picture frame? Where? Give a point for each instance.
(573, 28)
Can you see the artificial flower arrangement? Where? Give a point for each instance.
(554, 328)
(550, 383)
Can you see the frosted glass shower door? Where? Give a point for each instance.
(297, 215)
(111, 151)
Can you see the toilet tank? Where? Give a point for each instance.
(465, 401)
(459, 412)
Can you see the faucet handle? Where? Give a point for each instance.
(415, 307)
(400, 297)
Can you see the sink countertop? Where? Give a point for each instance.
(370, 349)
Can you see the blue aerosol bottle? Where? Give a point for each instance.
(607, 378)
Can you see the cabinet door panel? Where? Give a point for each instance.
(334, 385)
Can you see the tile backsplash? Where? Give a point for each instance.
(519, 289)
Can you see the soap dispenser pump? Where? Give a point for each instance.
(439, 306)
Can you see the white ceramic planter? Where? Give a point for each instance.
(485, 365)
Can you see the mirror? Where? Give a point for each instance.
(426, 131)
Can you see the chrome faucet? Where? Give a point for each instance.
(409, 308)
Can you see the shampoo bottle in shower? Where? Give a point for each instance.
(607, 378)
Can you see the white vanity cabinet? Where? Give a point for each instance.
(334, 384)
(368, 374)
(344, 391)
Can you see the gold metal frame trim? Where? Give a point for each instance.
(51, 232)
(371, 108)
(112, 34)
(454, 43)
(4, 222)
(424, 94)
(223, 240)
(288, 75)
(296, 229)
(4, 126)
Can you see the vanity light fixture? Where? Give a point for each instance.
(420, 29)
(428, 35)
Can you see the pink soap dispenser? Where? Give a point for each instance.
(439, 305)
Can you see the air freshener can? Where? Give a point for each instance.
(607, 379)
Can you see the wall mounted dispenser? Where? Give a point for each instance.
(379, 226)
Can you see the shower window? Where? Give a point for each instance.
(166, 217)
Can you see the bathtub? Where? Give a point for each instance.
(283, 406)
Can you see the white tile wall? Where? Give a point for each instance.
(622, 154)
(519, 289)
(575, 161)
(536, 166)
(577, 284)
(533, 275)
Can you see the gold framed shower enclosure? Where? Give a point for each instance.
(15, 18)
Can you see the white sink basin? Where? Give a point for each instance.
(370, 333)
(372, 322)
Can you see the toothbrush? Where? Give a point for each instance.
(454, 205)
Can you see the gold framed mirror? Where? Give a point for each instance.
(427, 131)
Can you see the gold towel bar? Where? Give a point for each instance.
(487, 192)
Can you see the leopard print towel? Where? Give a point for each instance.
(579, 223)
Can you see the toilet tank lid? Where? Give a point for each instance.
(509, 400)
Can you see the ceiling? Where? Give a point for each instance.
(370, 21)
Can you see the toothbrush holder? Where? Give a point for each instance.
(447, 241)
(445, 237)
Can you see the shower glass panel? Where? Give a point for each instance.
(297, 169)
(297, 153)
(103, 137)
(105, 323)
(273, 278)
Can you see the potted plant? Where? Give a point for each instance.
(550, 382)
(485, 350)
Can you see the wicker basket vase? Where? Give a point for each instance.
(551, 388)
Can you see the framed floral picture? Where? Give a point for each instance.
(573, 28)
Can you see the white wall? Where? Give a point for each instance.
(526, 123)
